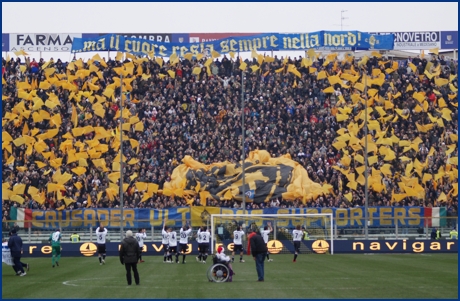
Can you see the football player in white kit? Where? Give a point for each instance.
(140, 236)
(101, 234)
(297, 235)
(204, 238)
(173, 245)
(165, 242)
(198, 240)
(183, 241)
(267, 229)
(238, 243)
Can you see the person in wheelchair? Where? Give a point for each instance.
(226, 260)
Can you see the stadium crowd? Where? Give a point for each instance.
(183, 113)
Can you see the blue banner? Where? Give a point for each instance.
(5, 42)
(89, 249)
(262, 42)
(449, 39)
(146, 218)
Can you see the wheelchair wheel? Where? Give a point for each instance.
(218, 273)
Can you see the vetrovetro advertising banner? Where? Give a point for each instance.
(423, 40)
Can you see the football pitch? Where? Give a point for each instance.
(312, 276)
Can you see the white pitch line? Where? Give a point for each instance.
(182, 288)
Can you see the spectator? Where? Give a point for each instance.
(196, 115)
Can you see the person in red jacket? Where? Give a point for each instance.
(251, 234)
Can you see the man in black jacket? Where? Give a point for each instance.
(15, 245)
(259, 250)
(129, 255)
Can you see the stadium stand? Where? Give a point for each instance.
(64, 115)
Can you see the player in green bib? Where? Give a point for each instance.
(55, 240)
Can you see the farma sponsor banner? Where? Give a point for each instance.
(262, 42)
(147, 218)
(89, 249)
(42, 42)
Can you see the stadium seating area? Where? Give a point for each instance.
(61, 126)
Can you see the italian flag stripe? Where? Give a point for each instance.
(435, 216)
(23, 216)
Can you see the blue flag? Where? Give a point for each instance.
(250, 194)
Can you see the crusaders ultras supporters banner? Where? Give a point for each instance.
(404, 217)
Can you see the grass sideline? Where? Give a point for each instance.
(411, 276)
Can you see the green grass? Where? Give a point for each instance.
(313, 276)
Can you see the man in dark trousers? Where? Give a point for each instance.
(433, 234)
(259, 251)
(129, 255)
(15, 245)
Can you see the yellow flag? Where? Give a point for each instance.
(88, 201)
(188, 56)
(359, 158)
(442, 197)
(329, 90)
(228, 195)
(441, 81)
(321, 75)
(208, 62)
(434, 50)
(139, 126)
(215, 54)
(17, 198)
(172, 73)
(254, 68)
(196, 70)
(119, 56)
(151, 189)
(349, 196)
(79, 170)
(159, 61)
(372, 160)
(279, 70)
(141, 186)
